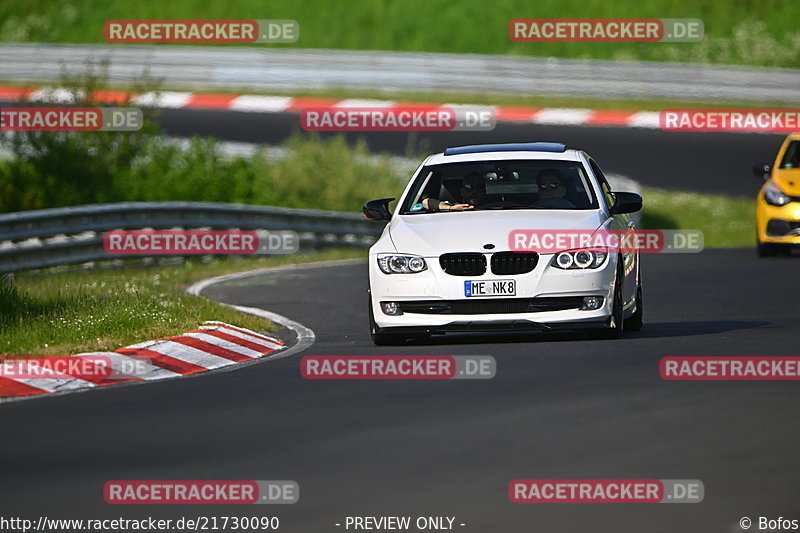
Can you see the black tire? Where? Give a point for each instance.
(635, 322)
(387, 339)
(770, 249)
(616, 322)
(766, 249)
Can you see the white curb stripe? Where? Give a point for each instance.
(53, 96)
(54, 380)
(244, 336)
(57, 385)
(167, 99)
(567, 117)
(645, 119)
(144, 368)
(187, 354)
(223, 343)
(261, 104)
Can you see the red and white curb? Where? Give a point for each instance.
(211, 346)
(286, 104)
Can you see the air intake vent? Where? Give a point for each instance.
(490, 306)
(508, 263)
(463, 264)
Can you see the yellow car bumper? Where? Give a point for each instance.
(778, 224)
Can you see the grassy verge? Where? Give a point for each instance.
(751, 33)
(100, 310)
(726, 221)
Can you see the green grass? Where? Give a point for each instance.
(726, 221)
(748, 32)
(105, 309)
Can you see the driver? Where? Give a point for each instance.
(473, 192)
(552, 190)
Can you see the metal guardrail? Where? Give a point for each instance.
(73, 235)
(269, 69)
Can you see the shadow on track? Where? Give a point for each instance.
(652, 330)
(700, 327)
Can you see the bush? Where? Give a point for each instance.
(53, 169)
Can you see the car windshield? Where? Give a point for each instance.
(791, 159)
(500, 185)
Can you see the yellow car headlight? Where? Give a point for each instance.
(774, 196)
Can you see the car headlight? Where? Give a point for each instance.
(579, 259)
(401, 264)
(774, 196)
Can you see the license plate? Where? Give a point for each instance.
(490, 287)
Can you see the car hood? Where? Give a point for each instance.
(788, 180)
(433, 234)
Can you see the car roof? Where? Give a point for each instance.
(501, 152)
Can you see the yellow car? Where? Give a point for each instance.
(778, 204)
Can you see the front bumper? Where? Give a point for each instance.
(778, 224)
(435, 287)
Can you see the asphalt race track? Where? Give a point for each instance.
(558, 408)
(704, 162)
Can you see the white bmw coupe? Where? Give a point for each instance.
(446, 261)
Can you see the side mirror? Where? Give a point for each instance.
(378, 209)
(762, 170)
(626, 202)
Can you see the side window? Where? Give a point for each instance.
(419, 191)
(604, 186)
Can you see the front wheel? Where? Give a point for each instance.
(634, 323)
(387, 339)
(615, 323)
(769, 249)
